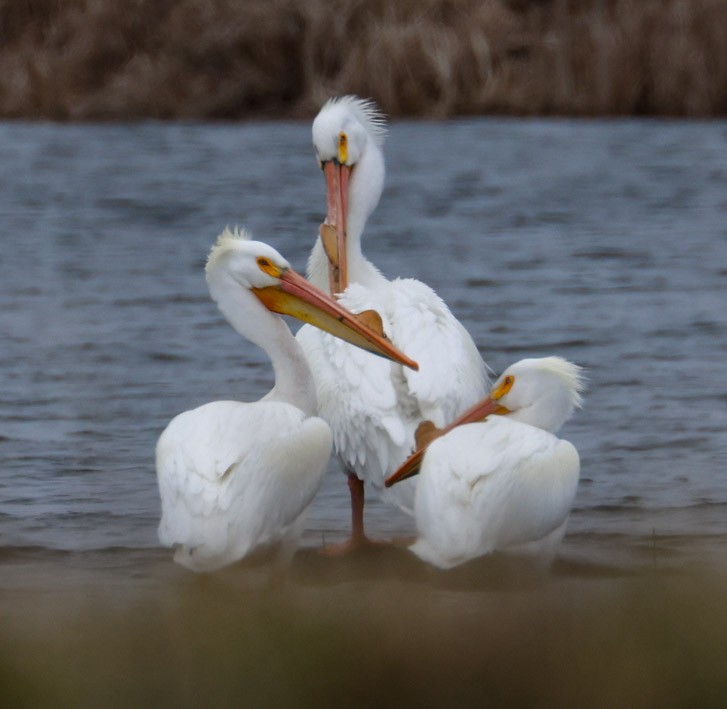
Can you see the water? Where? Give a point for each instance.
(604, 242)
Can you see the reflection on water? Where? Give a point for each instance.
(604, 242)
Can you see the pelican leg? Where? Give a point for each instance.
(358, 496)
(358, 539)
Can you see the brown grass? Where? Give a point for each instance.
(645, 643)
(225, 59)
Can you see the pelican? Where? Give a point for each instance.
(374, 406)
(236, 477)
(503, 484)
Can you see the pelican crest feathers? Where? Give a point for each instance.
(226, 241)
(571, 374)
(367, 113)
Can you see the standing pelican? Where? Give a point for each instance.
(506, 483)
(234, 477)
(373, 406)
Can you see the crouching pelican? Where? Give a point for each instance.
(506, 483)
(235, 477)
(373, 406)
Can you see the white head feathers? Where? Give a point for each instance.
(572, 376)
(365, 111)
(542, 392)
(227, 241)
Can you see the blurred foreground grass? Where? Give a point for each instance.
(223, 59)
(380, 636)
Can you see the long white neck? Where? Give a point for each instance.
(364, 191)
(293, 381)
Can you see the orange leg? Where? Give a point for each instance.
(356, 488)
(358, 539)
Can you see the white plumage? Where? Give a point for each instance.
(507, 483)
(374, 407)
(236, 477)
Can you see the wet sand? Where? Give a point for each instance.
(124, 629)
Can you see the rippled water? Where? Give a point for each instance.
(605, 242)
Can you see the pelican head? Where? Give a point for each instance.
(238, 262)
(542, 392)
(343, 128)
(348, 134)
(250, 263)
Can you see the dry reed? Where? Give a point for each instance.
(226, 59)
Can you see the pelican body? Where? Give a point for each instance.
(238, 477)
(374, 406)
(505, 483)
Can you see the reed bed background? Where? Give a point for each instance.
(232, 59)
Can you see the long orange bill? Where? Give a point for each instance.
(407, 469)
(295, 296)
(412, 464)
(337, 177)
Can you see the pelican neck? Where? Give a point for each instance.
(251, 319)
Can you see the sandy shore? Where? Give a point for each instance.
(123, 629)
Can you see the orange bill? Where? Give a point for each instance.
(295, 296)
(480, 411)
(337, 177)
(408, 468)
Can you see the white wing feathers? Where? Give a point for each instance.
(452, 375)
(492, 486)
(235, 476)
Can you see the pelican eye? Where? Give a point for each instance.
(342, 148)
(505, 387)
(267, 266)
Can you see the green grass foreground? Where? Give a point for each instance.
(230, 59)
(369, 634)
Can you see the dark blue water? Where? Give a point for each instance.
(604, 242)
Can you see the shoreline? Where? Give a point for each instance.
(136, 571)
(374, 629)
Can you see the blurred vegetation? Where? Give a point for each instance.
(640, 643)
(229, 59)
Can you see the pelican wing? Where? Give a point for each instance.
(492, 485)
(235, 476)
(452, 375)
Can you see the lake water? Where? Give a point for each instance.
(604, 242)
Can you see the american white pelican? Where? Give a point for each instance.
(504, 484)
(234, 477)
(373, 406)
